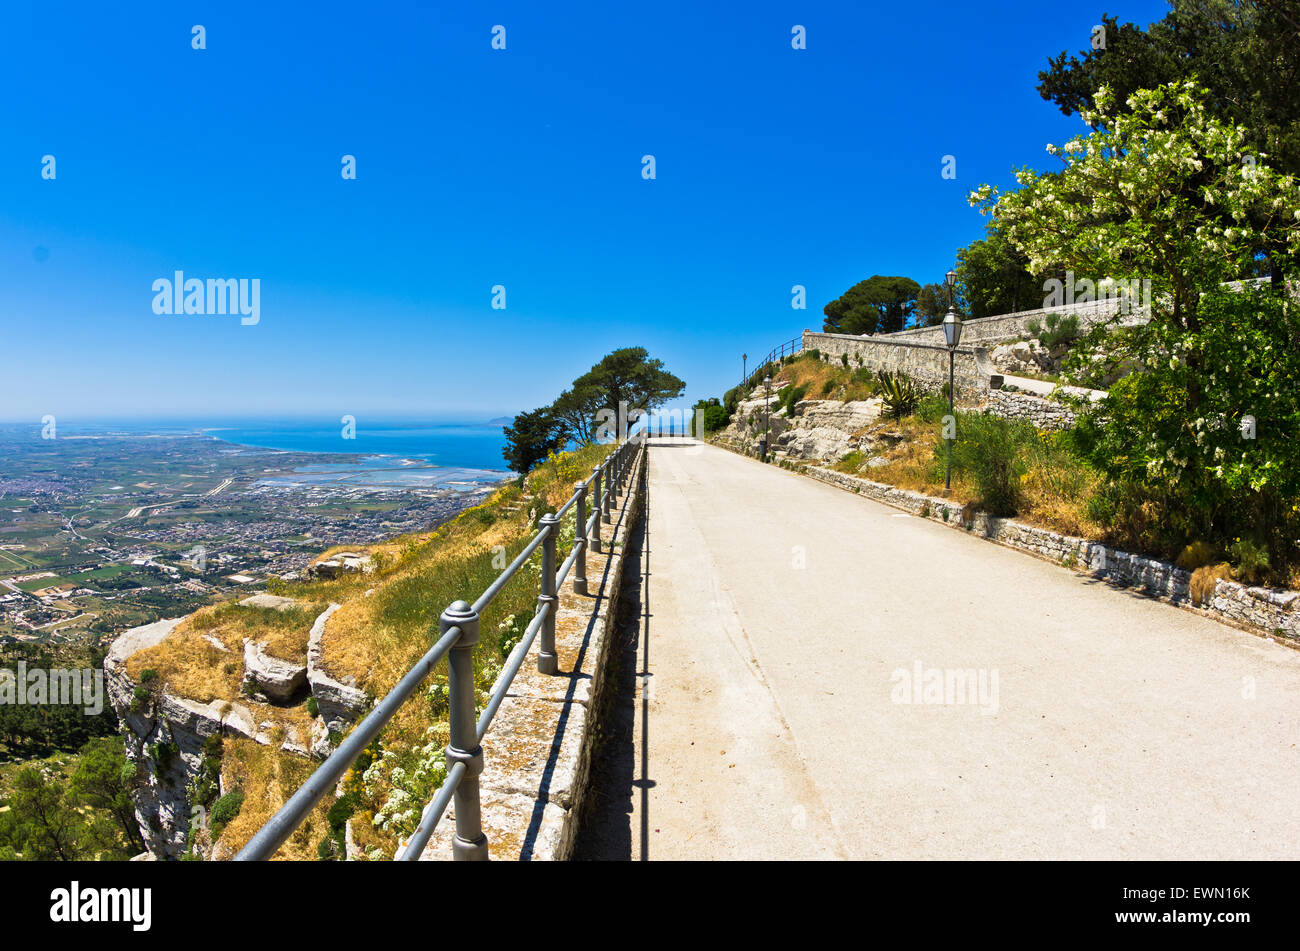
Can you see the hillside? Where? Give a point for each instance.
(224, 710)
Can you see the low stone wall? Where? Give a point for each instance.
(1043, 413)
(1006, 327)
(1270, 612)
(537, 753)
(926, 363)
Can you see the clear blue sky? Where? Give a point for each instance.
(478, 167)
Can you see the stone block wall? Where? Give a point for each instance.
(986, 331)
(926, 363)
(1041, 412)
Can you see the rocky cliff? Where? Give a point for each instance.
(289, 704)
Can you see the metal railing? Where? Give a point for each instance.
(458, 633)
(789, 348)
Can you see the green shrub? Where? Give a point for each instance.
(790, 396)
(1249, 561)
(313, 707)
(225, 809)
(988, 449)
(1059, 331)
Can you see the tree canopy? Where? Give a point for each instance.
(877, 305)
(625, 380)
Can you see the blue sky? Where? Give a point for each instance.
(478, 167)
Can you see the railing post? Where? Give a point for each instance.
(607, 506)
(469, 843)
(580, 540)
(596, 510)
(547, 661)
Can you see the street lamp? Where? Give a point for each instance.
(744, 368)
(951, 336)
(767, 413)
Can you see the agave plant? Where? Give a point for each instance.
(899, 393)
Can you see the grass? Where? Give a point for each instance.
(267, 778)
(1051, 486)
(822, 380)
(387, 620)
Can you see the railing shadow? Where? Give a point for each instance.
(605, 828)
(575, 676)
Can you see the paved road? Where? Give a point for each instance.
(770, 721)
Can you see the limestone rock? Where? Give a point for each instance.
(339, 703)
(276, 679)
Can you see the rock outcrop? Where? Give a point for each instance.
(165, 733)
(817, 430)
(339, 702)
(271, 678)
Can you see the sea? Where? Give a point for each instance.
(457, 454)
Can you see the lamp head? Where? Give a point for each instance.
(951, 329)
(950, 279)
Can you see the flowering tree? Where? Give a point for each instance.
(1164, 192)
(1161, 192)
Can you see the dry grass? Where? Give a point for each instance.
(268, 778)
(189, 666)
(1053, 491)
(825, 381)
(1203, 581)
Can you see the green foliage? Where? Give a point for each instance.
(1164, 190)
(715, 416)
(531, 437)
(877, 305)
(1246, 53)
(90, 815)
(589, 411)
(932, 304)
(899, 393)
(1174, 431)
(990, 450)
(225, 809)
(993, 277)
(789, 397)
(34, 730)
(1057, 332)
(1249, 560)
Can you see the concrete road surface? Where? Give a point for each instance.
(784, 631)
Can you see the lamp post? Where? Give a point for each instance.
(767, 412)
(744, 368)
(951, 336)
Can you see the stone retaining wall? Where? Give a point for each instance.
(1270, 612)
(926, 363)
(1007, 327)
(1043, 413)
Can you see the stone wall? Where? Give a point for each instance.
(1004, 327)
(926, 363)
(1270, 612)
(1043, 413)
